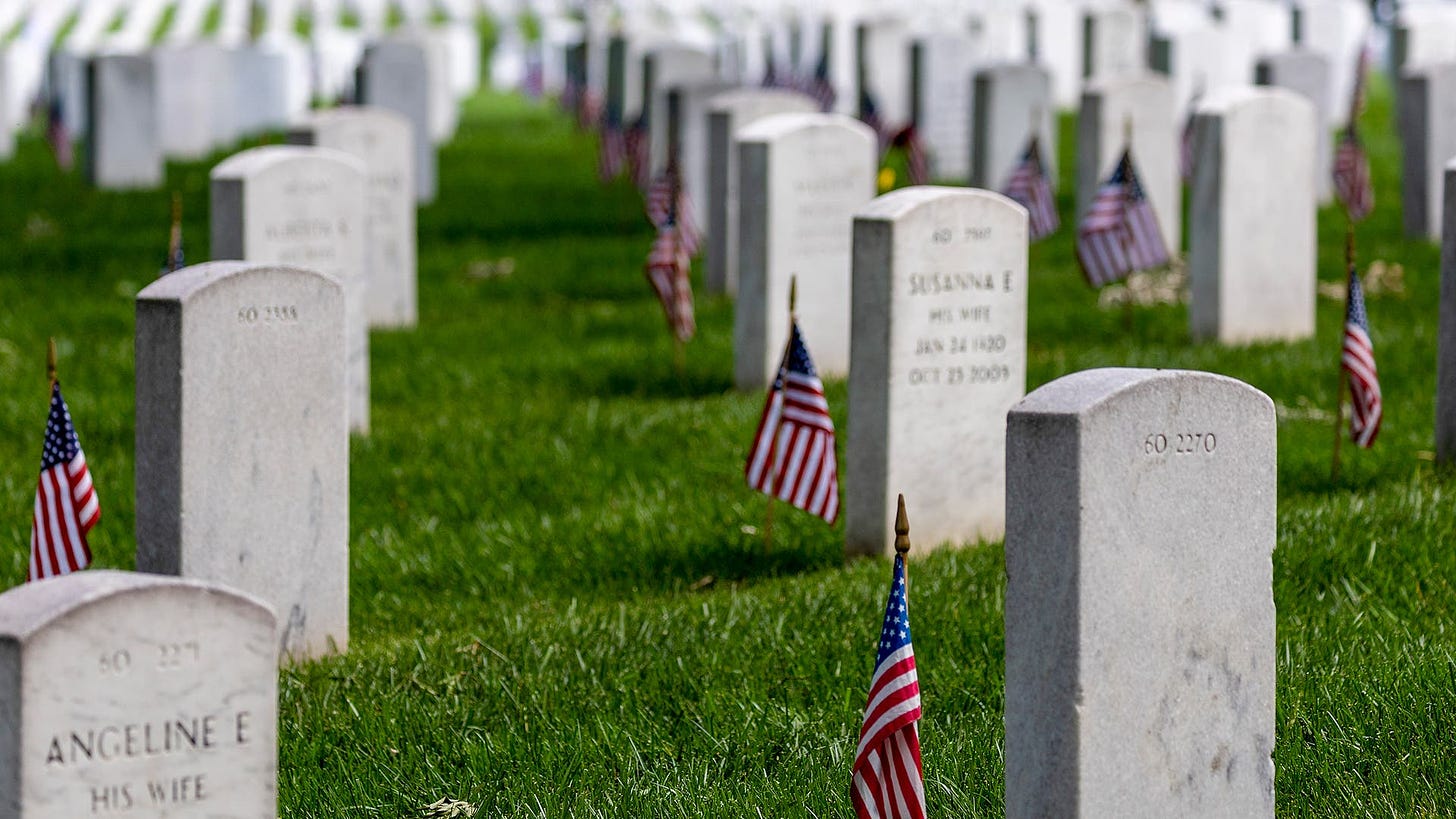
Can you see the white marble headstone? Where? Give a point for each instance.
(1140, 107)
(1251, 226)
(1011, 102)
(304, 207)
(663, 68)
(384, 142)
(242, 445)
(801, 177)
(1428, 140)
(1140, 658)
(395, 74)
(123, 144)
(937, 357)
(137, 695)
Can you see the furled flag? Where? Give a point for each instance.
(1351, 169)
(660, 203)
(1357, 357)
(1120, 232)
(639, 153)
(175, 260)
(1029, 186)
(869, 114)
(819, 87)
(792, 457)
(65, 501)
(770, 74)
(58, 136)
(534, 82)
(887, 782)
(917, 165)
(1185, 140)
(612, 155)
(667, 272)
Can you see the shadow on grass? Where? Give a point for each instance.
(658, 378)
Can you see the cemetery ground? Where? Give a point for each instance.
(562, 603)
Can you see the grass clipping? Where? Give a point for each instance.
(448, 808)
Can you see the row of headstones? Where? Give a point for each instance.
(186, 102)
(1139, 616)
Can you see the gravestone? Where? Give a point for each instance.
(188, 77)
(383, 141)
(937, 357)
(1198, 60)
(395, 75)
(1140, 524)
(242, 445)
(664, 67)
(882, 65)
(801, 178)
(1055, 43)
(942, 65)
(1428, 140)
(1446, 342)
(1308, 75)
(123, 148)
(140, 695)
(1337, 29)
(304, 207)
(1251, 225)
(1114, 42)
(1141, 106)
(688, 106)
(728, 113)
(1011, 101)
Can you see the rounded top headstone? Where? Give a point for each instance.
(738, 97)
(900, 203)
(776, 127)
(185, 283)
(247, 163)
(1230, 99)
(1100, 389)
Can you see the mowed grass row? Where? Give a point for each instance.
(561, 600)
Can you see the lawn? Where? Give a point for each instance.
(562, 604)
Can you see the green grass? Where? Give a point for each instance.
(542, 494)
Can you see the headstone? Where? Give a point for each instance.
(444, 108)
(1423, 34)
(1266, 25)
(944, 62)
(688, 103)
(304, 207)
(883, 66)
(1251, 240)
(937, 358)
(395, 75)
(801, 178)
(664, 67)
(1428, 140)
(1114, 42)
(1308, 75)
(1446, 340)
(1199, 60)
(123, 149)
(729, 113)
(132, 694)
(1140, 659)
(1012, 101)
(1140, 107)
(383, 141)
(1056, 45)
(8, 124)
(242, 446)
(188, 77)
(1337, 29)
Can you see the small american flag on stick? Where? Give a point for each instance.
(58, 136)
(1357, 358)
(1351, 169)
(820, 88)
(660, 203)
(888, 782)
(917, 164)
(639, 153)
(175, 258)
(1120, 232)
(65, 501)
(1029, 186)
(792, 458)
(613, 156)
(667, 271)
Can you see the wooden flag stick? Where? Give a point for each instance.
(1344, 377)
(51, 364)
(1127, 132)
(778, 387)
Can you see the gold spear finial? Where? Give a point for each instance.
(902, 529)
(51, 362)
(793, 293)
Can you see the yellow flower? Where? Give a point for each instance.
(887, 179)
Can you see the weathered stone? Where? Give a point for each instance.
(1011, 102)
(1142, 108)
(1428, 140)
(395, 75)
(122, 145)
(1308, 75)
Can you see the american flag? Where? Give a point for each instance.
(869, 114)
(917, 165)
(819, 87)
(58, 136)
(175, 259)
(1351, 170)
(1357, 357)
(660, 203)
(612, 156)
(1185, 141)
(1029, 186)
(792, 457)
(888, 783)
(770, 75)
(65, 501)
(589, 110)
(534, 82)
(639, 153)
(667, 271)
(1120, 232)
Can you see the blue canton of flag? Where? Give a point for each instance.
(792, 457)
(65, 501)
(888, 782)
